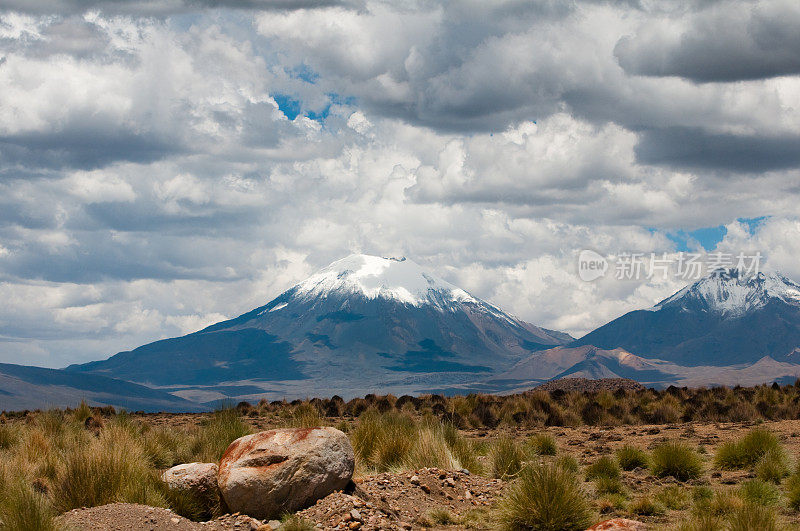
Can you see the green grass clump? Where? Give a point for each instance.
(751, 517)
(606, 485)
(676, 459)
(746, 451)
(630, 457)
(605, 467)
(674, 497)
(543, 444)
(721, 504)
(216, 434)
(292, 522)
(395, 441)
(24, 509)
(645, 506)
(759, 492)
(702, 522)
(545, 497)
(507, 457)
(773, 466)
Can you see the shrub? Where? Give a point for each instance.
(605, 467)
(630, 457)
(746, 451)
(442, 516)
(750, 517)
(543, 444)
(645, 506)
(759, 492)
(9, 436)
(676, 459)
(773, 466)
(506, 457)
(674, 497)
(545, 497)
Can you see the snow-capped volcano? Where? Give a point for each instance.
(732, 294)
(723, 319)
(362, 324)
(389, 278)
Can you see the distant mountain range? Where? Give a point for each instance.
(363, 324)
(369, 324)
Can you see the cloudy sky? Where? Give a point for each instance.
(165, 164)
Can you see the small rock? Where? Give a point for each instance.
(450, 482)
(619, 524)
(414, 480)
(355, 515)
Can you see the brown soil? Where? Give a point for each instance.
(404, 501)
(130, 516)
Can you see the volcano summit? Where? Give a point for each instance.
(362, 324)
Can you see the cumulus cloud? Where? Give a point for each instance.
(166, 164)
(728, 41)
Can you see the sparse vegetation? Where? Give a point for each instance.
(605, 467)
(746, 451)
(543, 444)
(52, 461)
(507, 457)
(629, 457)
(676, 459)
(545, 496)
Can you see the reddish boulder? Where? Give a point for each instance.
(273, 472)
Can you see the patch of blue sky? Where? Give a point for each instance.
(708, 238)
(292, 107)
(288, 105)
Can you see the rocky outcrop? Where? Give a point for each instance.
(198, 478)
(273, 472)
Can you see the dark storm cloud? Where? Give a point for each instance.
(83, 148)
(681, 147)
(735, 42)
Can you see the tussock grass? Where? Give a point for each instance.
(606, 485)
(630, 457)
(24, 509)
(543, 444)
(773, 466)
(292, 522)
(674, 497)
(507, 457)
(751, 517)
(605, 467)
(394, 441)
(676, 459)
(224, 427)
(759, 492)
(746, 451)
(545, 497)
(645, 506)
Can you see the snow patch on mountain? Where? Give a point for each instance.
(730, 293)
(389, 278)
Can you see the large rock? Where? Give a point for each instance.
(198, 478)
(273, 472)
